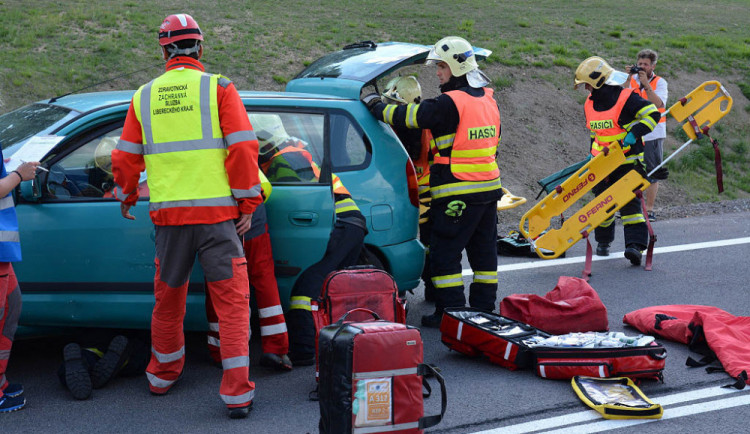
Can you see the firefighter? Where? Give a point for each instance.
(11, 394)
(617, 114)
(284, 158)
(402, 91)
(190, 131)
(260, 269)
(464, 177)
(344, 247)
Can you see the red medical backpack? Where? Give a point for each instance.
(371, 378)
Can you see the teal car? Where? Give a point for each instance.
(86, 266)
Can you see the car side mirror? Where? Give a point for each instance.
(31, 190)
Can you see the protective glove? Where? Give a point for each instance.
(370, 100)
(661, 174)
(629, 139)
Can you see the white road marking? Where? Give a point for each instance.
(665, 401)
(686, 410)
(614, 255)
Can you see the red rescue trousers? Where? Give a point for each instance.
(220, 253)
(10, 310)
(260, 269)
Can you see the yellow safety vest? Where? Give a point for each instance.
(184, 148)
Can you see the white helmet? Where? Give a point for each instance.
(103, 153)
(269, 129)
(459, 55)
(402, 90)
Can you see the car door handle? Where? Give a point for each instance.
(303, 218)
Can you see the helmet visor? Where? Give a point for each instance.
(477, 78)
(617, 78)
(432, 57)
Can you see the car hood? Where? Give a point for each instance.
(344, 72)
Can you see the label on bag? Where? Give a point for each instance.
(375, 401)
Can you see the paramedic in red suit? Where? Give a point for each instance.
(190, 131)
(260, 269)
(464, 177)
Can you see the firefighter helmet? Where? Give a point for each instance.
(596, 72)
(402, 90)
(459, 55)
(103, 153)
(177, 27)
(269, 129)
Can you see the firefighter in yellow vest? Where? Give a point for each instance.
(190, 131)
(402, 91)
(617, 114)
(464, 177)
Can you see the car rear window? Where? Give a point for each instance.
(21, 124)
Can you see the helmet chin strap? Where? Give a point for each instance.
(173, 50)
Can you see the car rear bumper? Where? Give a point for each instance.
(405, 262)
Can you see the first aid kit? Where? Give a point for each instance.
(361, 391)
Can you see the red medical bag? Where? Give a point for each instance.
(633, 362)
(358, 287)
(371, 378)
(353, 288)
(572, 306)
(474, 332)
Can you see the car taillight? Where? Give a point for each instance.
(411, 182)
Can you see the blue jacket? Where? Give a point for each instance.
(10, 245)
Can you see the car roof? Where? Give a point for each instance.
(85, 102)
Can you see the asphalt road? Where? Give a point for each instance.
(693, 265)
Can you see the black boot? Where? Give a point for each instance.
(111, 362)
(633, 253)
(602, 249)
(77, 378)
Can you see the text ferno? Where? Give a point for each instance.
(579, 187)
(599, 206)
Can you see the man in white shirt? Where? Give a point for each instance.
(653, 88)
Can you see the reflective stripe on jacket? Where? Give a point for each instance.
(604, 125)
(642, 92)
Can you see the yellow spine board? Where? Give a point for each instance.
(509, 200)
(596, 392)
(704, 105)
(556, 241)
(539, 217)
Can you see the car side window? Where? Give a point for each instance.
(350, 149)
(86, 173)
(290, 145)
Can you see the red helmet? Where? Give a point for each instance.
(177, 27)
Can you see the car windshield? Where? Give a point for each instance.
(361, 62)
(19, 125)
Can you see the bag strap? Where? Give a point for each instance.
(651, 233)
(427, 421)
(586, 273)
(360, 309)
